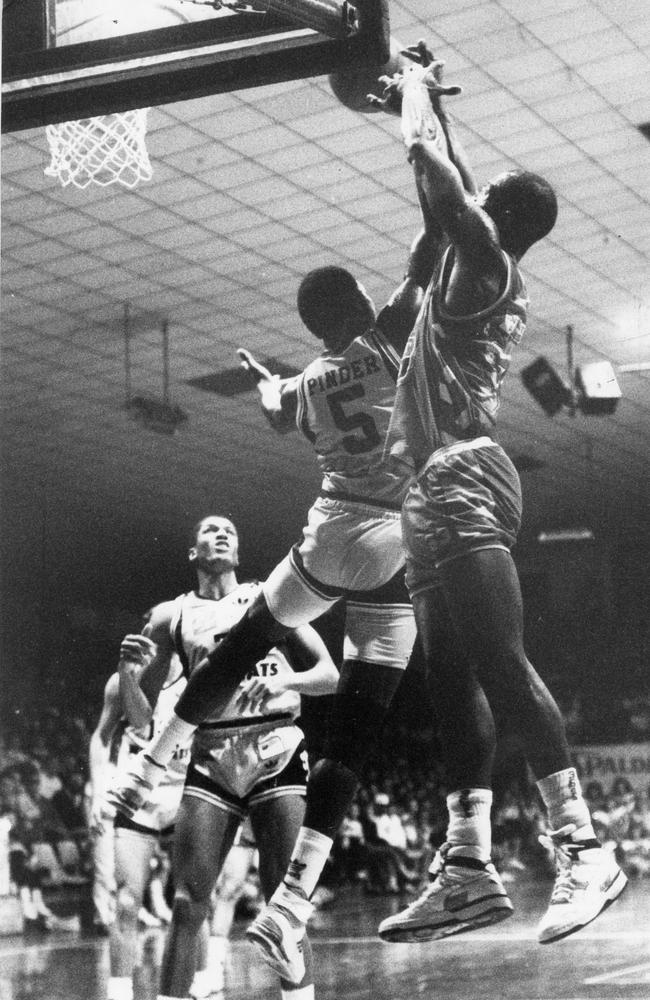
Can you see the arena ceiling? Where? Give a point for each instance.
(252, 188)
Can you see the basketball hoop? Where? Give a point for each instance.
(105, 150)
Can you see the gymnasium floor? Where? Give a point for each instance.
(610, 960)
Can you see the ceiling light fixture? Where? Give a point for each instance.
(159, 415)
(565, 535)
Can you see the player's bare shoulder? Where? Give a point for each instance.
(160, 619)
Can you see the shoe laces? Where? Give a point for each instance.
(436, 873)
(439, 862)
(566, 857)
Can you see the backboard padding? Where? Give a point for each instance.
(44, 83)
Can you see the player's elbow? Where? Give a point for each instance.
(330, 678)
(415, 150)
(279, 421)
(139, 717)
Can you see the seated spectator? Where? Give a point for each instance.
(621, 793)
(350, 847)
(49, 777)
(639, 718)
(50, 843)
(70, 805)
(622, 804)
(385, 839)
(509, 831)
(50, 825)
(418, 850)
(11, 752)
(599, 809)
(18, 800)
(28, 875)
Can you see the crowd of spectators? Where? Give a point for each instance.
(43, 766)
(384, 846)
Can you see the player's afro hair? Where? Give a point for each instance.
(325, 297)
(524, 207)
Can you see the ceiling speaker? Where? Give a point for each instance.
(544, 383)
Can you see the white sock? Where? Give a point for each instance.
(39, 903)
(203, 984)
(469, 833)
(176, 733)
(27, 904)
(294, 903)
(304, 993)
(310, 853)
(562, 796)
(217, 950)
(120, 988)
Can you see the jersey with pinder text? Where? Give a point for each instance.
(449, 384)
(345, 403)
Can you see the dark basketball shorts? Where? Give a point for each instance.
(467, 498)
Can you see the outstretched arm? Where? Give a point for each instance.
(144, 666)
(315, 674)
(279, 397)
(99, 752)
(457, 153)
(397, 317)
(442, 183)
(425, 114)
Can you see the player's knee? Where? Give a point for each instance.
(126, 905)
(506, 670)
(360, 708)
(253, 635)
(354, 727)
(189, 912)
(230, 889)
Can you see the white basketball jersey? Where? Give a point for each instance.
(345, 403)
(199, 623)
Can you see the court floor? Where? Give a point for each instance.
(609, 960)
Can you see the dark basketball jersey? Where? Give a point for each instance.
(449, 384)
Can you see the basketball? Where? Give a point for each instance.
(352, 84)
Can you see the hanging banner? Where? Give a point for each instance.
(604, 763)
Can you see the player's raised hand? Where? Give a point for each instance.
(256, 370)
(391, 96)
(432, 68)
(424, 68)
(137, 649)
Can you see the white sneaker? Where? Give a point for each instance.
(132, 790)
(278, 934)
(463, 894)
(588, 880)
(146, 918)
(208, 983)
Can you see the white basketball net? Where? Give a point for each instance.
(105, 150)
